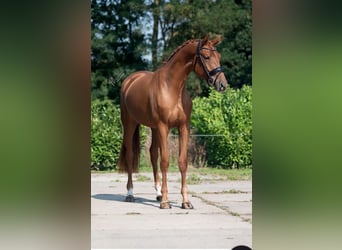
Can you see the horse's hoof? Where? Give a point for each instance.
(159, 198)
(187, 205)
(129, 198)
(165, 205)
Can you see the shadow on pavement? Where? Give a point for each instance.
(121, 198)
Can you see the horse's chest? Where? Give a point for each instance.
(176, 115)
(172, 110)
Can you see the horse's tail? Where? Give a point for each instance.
(136, 153)
(122, 159)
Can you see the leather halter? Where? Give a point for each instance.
(208, 73)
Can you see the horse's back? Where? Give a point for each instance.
(143, 77)
(136, 97)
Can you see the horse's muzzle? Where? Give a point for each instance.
(222, 87)
(218, 81)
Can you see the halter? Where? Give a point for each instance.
(209, 73)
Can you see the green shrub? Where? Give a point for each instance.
(106, 134)
(228, 118)
(237, 114)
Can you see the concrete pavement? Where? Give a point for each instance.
(222, 217)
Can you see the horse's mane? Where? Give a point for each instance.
(177, 49)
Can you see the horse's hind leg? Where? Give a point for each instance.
(129, 129)
(154, 160)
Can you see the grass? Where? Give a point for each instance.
(148, 168)
(116, 180)
(142, 178)
(233, 191)
(225, 174)
(193, 179)
(108, 171)
(221, 174)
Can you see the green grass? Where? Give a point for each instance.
(148, 168)
(233, 191)
(108, 171)
(142, 178)
(221, 174)
(228, 174)
(193, 179)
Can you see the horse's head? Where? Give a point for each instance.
(207, 63)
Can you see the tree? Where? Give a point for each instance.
(183, 20)
(132, 35)
(154, 49)
(124, 32)
(235, 26)
(117, 44)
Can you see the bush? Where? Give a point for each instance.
(228, 119)
(106, 134)
(237, 113)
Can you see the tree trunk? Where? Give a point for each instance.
(155, 33)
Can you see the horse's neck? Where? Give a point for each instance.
(180, 66)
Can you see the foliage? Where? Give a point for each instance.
(228, 118)
(237, 114)
(235, 26)
(117, 44)
(106, 134)
(122, 41)
(132, 35)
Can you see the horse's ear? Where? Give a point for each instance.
(217, 40)
(205, 39)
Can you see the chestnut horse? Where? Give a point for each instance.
(160, 101)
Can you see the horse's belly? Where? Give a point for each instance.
(139, 107)
(140, 113)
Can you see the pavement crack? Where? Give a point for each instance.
(231, 191)
(224, 208)
(133, 213)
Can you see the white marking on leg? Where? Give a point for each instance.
(158, 189)
(130, 192)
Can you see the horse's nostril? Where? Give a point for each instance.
(223, 87)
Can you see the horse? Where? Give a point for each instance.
(159, 100)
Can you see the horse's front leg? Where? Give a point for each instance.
(163, 131)
(183, 163)
(154, 160)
